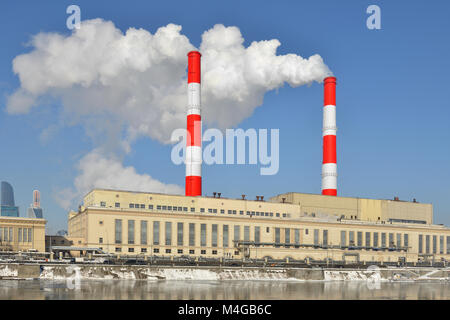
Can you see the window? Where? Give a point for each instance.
(234, 211)
(225, 236)
(181, 208)
(325, 237)
(214, 252)
(169, 208)
(150, 206)
(391, 240)
(246, 233)
(277, 235)
(19, 235)
(191, 251)
(375, 239)
(192, 209)
(130, 231)
(175, 209)
(359, 239)
(434, 244)
(203, 235)
(427, 244)
(420, 243)
(214, 235)
(202, 210)
(180, 233)
(1, 234)
(287, 235)
(117, 205)
(399, 240)
(158, 207)
(248, 213)
(229, 211)
(257, 234)
(222, 211)
(180, 251)
(306, 231)
(236, 253)
(130, 249)
(297, 236)
(343, 238)
(168, 229)
(367, 239)
(241, 212)
(448, 244)
(164, 207)
(192, 234)
(351, 238)
(383, 240)
(168, 251)
(156, 232)
(100, 222)
(143, 250)
(30, 234)
(406, 240)
(118, 230)
(278, 215)
(143, 232)
(210, 211)
(271, 214)
(267, 229)
(316, 237)
(118, 249)
(202, 251)
(237, 233)
(214, 210)
(100, 240)
(185, 209)
(131, 205)
(441, 244)
(284, 215)
(25, 235)
(142, 206)
(102, 204)
(156, 250)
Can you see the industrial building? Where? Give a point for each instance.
(17, 233)
(295, 226)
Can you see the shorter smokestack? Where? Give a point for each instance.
(219, 194)
(283, 199)
(214, 194)
(257, 198)
(262, 198)
(243, 197)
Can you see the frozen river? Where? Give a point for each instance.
(222, 290)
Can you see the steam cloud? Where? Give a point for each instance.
(124, 86)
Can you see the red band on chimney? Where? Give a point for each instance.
(194, 69)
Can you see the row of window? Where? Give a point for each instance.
(434, 239)
(24, 234)
(178, 251)
(202, 210)
(291, 236)
(168, 239)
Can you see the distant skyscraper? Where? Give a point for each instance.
(7, 205)
(35, 211)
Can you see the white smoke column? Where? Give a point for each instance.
(122, 86)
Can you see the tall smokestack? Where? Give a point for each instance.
(194, 127)
(329, 165)
(36, 199)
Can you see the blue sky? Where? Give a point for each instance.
(392, 106)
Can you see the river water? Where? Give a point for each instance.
(221, 290)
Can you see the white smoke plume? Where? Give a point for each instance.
(99, 171)
(122, 86)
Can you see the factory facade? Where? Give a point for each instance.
(292, 226)
(22, 234)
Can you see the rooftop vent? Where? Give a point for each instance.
(243, 197)
(396, 199)
(219, 194)
(214, 194)
(283, 200)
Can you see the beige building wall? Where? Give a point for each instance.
(15, 234)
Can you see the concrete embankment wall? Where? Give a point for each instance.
(60, 272)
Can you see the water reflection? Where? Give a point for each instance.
(221, 290)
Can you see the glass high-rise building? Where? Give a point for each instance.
(7, 205)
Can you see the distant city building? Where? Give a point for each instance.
(61, 233)
(35, 211)
(7, 205)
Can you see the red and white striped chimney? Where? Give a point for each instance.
(329, 165)
(194, 127)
